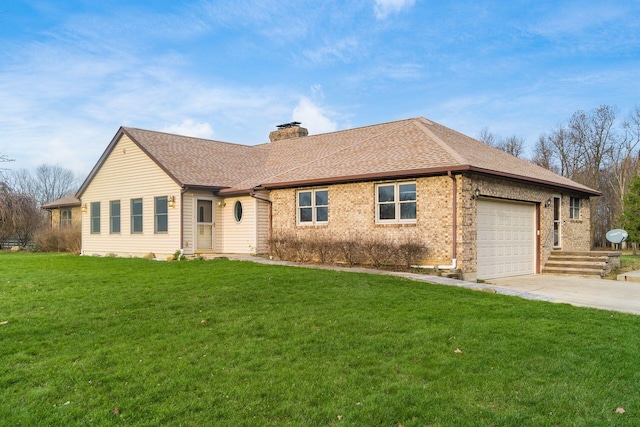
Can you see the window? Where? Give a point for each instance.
(574, 208)
(237, 211)
(95, 217)
(396, 203)
(313, 207)
(161, 214)
(114, 216)
(65, 217)
(136, 216)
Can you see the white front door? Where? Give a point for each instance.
(506, 240)
(204, 224)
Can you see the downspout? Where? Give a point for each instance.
(253, 194)
(182, 191)
(454, 227)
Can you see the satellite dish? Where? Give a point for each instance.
(617, 236)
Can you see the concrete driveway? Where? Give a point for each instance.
(584, 292)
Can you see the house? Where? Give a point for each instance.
(64, 212)
(476, 208)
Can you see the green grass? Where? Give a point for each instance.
(293, 346)
(628, 262)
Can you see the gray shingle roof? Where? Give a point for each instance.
(412, 147)
(67, 201)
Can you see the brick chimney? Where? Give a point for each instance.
(288, 131)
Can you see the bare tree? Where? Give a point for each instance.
(513, 145)
(20, 216)
(544, 155)
(487, 137)
(624, 164)
(46, 184)
(593, 133)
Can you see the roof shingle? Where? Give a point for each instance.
(409, 147)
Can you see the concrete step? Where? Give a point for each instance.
(573, 258)
(576, 264)
(591, 264)
(567, 271)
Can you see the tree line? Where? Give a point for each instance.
(598, 148)
(23, 192)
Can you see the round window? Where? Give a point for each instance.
(237, 211)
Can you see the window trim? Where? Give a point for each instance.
(156, 215)
(314, 207)
(113, 217)
(94, 214)
(574, 211)
(134, 215)
(238, 215)
(396, 202)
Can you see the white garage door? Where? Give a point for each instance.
(506, 239)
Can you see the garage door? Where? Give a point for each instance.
(506, 239)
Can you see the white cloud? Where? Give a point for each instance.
(313, 117)
(383, 8)
(190, 127)
(342, 50)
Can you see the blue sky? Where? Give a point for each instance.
(72, 72)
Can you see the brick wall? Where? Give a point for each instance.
(575, 234)
(352, 215)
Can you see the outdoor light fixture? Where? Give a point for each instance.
(221, 204)
(547, 203)
(476, 194)
(172, 201)
(84, 208)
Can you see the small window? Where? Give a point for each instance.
(65, 217)
(161, 214)
(95, 217)
(313, 207)
(574, 208)
(114, 216)
(237, 211)
(396, 203)
(136, 216)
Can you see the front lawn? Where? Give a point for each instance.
(108, 341)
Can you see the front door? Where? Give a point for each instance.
(204, 234)
(557, 223)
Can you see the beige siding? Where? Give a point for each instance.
(239, 237)
(127, 174)
(189, 238)
(263, 225)
(188, 225)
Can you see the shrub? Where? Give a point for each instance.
(380, 251)
(67, 239)
(324, 249)
(278, 244)
(411, 250)
(349, 249)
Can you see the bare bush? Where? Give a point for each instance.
(301, 248)
(324, 249)
(379, 251)
(67, 239)
(278, 242)
(349, 249)
(411, 250)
